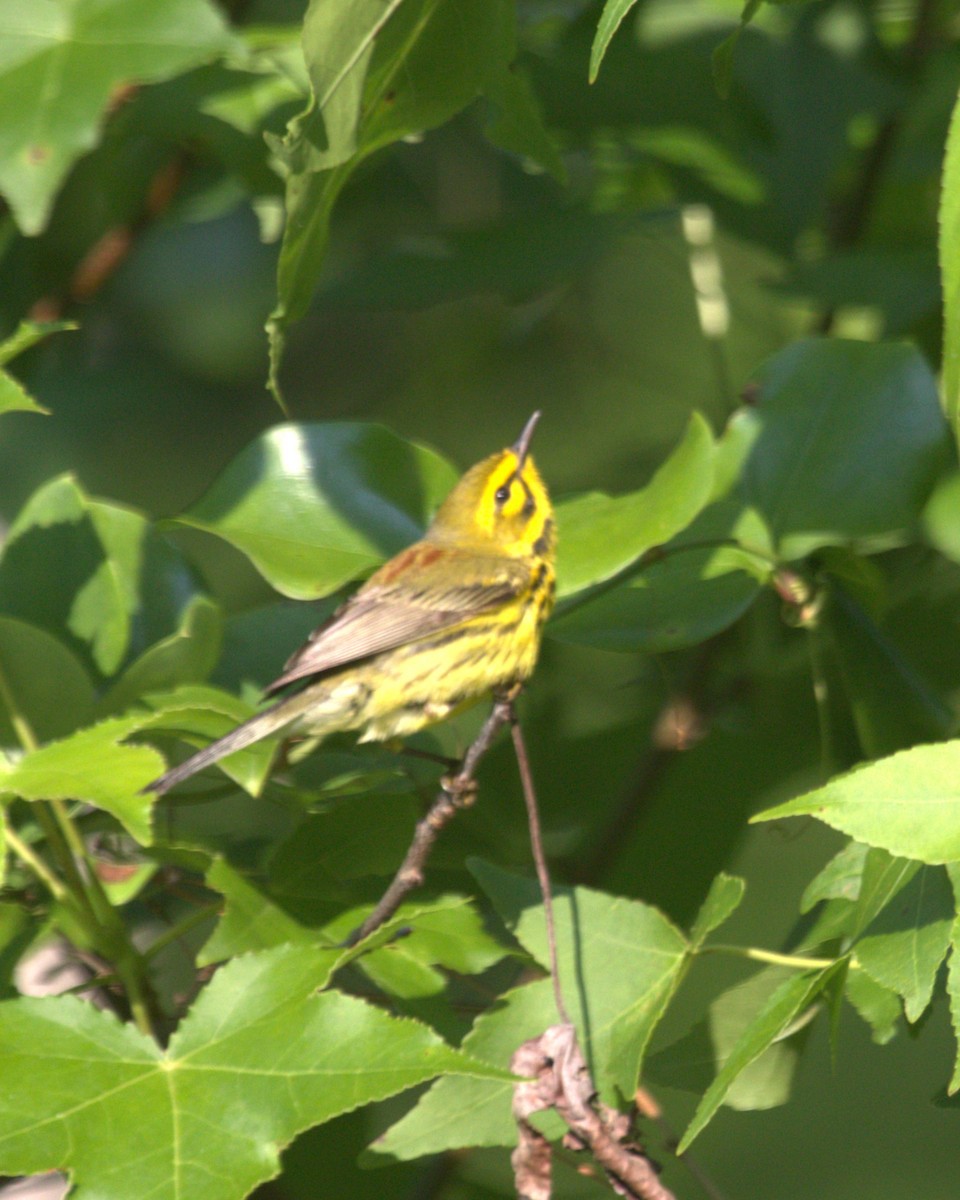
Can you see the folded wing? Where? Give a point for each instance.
(400, 604)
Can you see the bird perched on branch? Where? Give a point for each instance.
(450, 619)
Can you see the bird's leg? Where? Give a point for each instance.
(449, 764)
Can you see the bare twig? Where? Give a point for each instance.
(539, 858)
(559, 1079)
(458, 792)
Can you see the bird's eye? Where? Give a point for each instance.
(502, 495)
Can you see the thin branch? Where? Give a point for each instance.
(457, 792)
(539, 858)
(796, 962)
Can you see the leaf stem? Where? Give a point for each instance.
(80, 887)
(798, 962)
(27, 854)
(175, 932)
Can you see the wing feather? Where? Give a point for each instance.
(391, 610)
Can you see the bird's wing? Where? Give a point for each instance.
(398, 605)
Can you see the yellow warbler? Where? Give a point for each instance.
(453, 617)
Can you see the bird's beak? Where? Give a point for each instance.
(522, 444)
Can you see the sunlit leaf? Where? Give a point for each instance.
(904, 946)
(259, 1058)
(94, 765)
(472, 1112)
(620, 962)
(71, 57)
(950, 268)
(770, 1022)
(706, 578)
(600, 535)
(13, 395)
(314, 506)
(908, 804)
(613, 14)
(723, 899)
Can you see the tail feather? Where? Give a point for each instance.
(252, 730)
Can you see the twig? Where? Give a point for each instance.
(539, 858)
(559, 1079)
(458, 792)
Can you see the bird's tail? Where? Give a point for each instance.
(272, 719)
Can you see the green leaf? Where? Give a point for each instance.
(13, 396)
(258, 1059)
(314, 506)
(878, 1006)
(851, 440)
(446, 932)
(620, 962)
(904, 946)
(28, 334)
(598, 536)
(92, 573)
(953, 993)
(723, 899)
(691, 1062)
(458, 1112)
(723, 54)
(257, 642)
(251, 921)
(517, 125)
(48, 686)
(200, 715)
(839, 879)
(774, 1019)
(338, 40)
(950, 270)
(341, 840)
(404, 957)
(893, 707)
(908, 803)
(72, 58)
(883, 877)
(187, 656)
(611, 18)
(686, 596)
(429, 59)
(94, 766)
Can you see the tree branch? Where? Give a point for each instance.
(457, 792)
(560, 1080)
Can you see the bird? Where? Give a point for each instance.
(454, 617)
